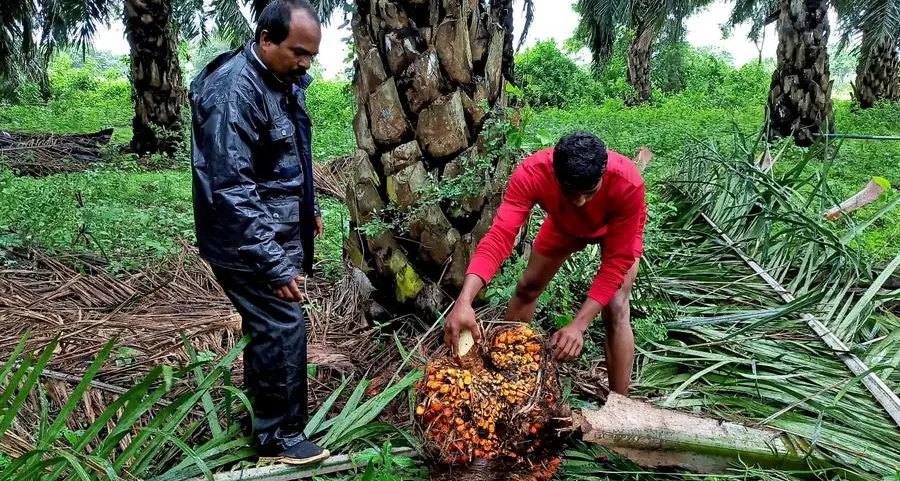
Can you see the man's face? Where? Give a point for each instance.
(579, 198)
(290, 59)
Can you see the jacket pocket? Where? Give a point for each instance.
(283, 211)
(284, 216)
(282, 154)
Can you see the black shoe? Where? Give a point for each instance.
(298, 451)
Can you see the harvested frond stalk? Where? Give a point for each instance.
(870, 193)
(655, 437)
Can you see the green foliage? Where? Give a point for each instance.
(86, 97)
(329, 249)
(382, 465)
(129, 217)
(332, 106)
(549, 78)
(147, 440)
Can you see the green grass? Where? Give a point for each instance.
(128, 217)
(87, 98)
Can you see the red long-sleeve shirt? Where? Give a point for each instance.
(614, 216)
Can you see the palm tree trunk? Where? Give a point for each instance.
(155, 76)
(800, 93)
(878, 74)
(640, 49)
(424, 70)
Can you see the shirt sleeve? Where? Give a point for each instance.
(497, 244)
(618, 251)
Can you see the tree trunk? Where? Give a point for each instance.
(640, 49)
(504, 11)
(878, 74)
(424, 71)
(155, 76)
(659, 438)
(800, 93)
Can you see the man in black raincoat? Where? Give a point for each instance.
(255, 210)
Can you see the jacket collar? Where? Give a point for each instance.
(266, 74)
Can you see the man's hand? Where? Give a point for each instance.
(567, 342)
(290, 292)
(461, 317)
(320, 228)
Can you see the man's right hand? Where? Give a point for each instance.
(460, 318)
(290, 292)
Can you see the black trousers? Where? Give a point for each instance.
(275, 360)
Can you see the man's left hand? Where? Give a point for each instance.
(320, 228)
(567, 342)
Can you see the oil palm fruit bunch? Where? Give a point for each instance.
(493, 408)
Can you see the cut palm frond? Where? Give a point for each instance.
(735, 348)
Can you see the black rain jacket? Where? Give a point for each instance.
(254, 209)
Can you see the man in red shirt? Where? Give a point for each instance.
(591, 195)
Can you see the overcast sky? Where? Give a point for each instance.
(553, 19)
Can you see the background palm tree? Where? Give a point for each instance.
(32, 30)
(874, 25)
(602, 21)
(799, 102)
(155, 72)
(156, 85)
(17, 41)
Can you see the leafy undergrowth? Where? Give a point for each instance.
(129, 218)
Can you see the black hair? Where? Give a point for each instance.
(275, 18)
(579, 161)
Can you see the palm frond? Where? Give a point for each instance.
(190, 17)
(16, 36)
(868, 23)
(81, 18)
(230, 23)
(596, 26)
(529, 17)
(758, 13)
(325, 9)
(736, 349)
(256, 7)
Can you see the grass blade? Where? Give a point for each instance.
(77, 395)
(314, 425)
(33, 377)
(211, 415)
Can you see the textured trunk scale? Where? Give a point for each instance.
(155, 76)
(878, 75)
(799, 101)
(424, 70)
(640, 49)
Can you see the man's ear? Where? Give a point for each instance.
(264, 37)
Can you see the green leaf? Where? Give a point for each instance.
(212, 416)
(34, 374)
(884, 183)
(188, 451)
(77, 395)
(313, 427)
